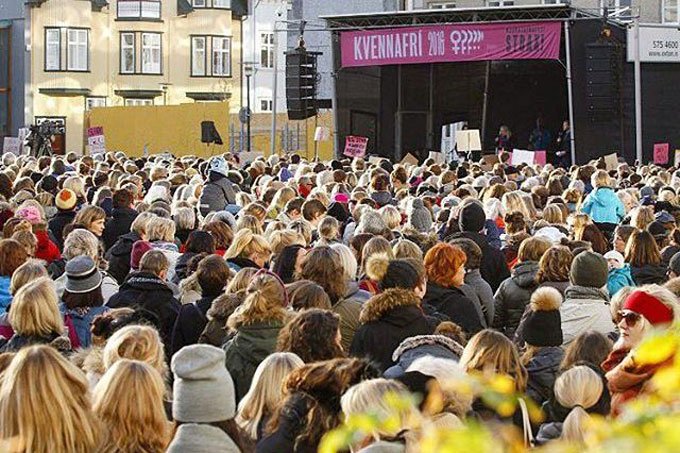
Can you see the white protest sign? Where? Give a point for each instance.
(468, 140)
(322, 134)
(95, 140)
(522, 156)
(12, 145)
(611, 161)
(438, 157)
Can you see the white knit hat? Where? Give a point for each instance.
(203, 391)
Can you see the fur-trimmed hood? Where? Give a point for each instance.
(223, 306)
(377, 306)
(427, 340)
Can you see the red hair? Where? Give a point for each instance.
(442, 263)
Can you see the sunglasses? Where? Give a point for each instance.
(630, 317)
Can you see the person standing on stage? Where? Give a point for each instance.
(504, 140)
(540, 138)
(564, 146)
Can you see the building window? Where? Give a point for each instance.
(77, 53)
(500, 2)
(266, 105)
(151, 53)
(198, 56)
(670, 11)
(94, 102)
(52, 49)
(225, 4)
(218, 4)
(221, 51)
(267, 50)
(441, 5)
(127, 53)
(139, 9)
(131, 102)
(200, 3)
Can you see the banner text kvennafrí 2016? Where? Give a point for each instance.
(451, 43)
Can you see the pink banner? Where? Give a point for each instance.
(450, 43)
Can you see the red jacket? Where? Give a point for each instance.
(46, 250)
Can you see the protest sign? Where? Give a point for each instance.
(468, 140)
(409, 159)
(355, 146)
(95, 140)
(322, 134)
(661, 153)
(540, 157)
(437, 157)
(11, 145)
(611, 161)
(522, 156)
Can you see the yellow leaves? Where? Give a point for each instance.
(502, 384)
(657, 348)
(334, 441)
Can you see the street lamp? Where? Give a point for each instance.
(248, 72)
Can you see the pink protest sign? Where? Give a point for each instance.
(95, 131)
(355, 146)
(450, 43)
(540, 157)
(661, 153)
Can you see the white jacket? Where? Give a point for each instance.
(585, 309)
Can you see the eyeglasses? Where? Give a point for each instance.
(630, 317)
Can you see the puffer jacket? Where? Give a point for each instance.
(118, 256)
(217, 194)
(452, 303)
(5, 295)
(513, 296)
(542, 370)
(604, 206)
(585, 309)
(386, 320)
(649, 274)
(619, 279)
(419, 346)
(246, 350)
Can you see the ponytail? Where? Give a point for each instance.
(265, 302)
(578, 388)
(573, 427)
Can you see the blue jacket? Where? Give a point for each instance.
(82, 321)
(5, 296)
(619, 278)
(603, 206)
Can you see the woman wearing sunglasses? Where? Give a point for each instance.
(648, 308)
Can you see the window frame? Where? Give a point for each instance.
(193, 56)
(269, 104)
(141, 16)
(222, 52)
(138, 102)
(59, 47)
(667, 5)
(142, 69)
(267, 47)
(210, 4)
(87, 49)
(134, 53)
(501, 3)
(88, 98)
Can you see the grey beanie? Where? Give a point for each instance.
(420, 217)
(589, 269)
(674, 264)
(203, 391)
(82, 275)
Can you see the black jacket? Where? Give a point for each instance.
(292, 422)
(386, 320)
(17, 342)
(513, 296)
(56, 226)
(453, 303)
(181, 267)
(144, 290)
(118, 225)
(118, 256)
(542, 370)
(191, 321)
(493, 267)
(649, 274)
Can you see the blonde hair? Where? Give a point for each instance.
(391, 216)
(241, 280)
(45, 403)
(247, 244)
(490, 351)
(88, 215)
(553, 214)
(348, 260)
(374, 246)
(29, 271)
(135, 342)
(265, 302)
(279, 240)
(514, 202)
(304, 228)
(160, 229)
(329, 229)
(281, 197)
(405, 248)
(76, 184)
(579, 388)
(141, 223)
(641, 217)
(35, 309)
(28, 241)
(184, 218)
(266, 390)
(81, 242)
(601, 179)
(129, 401)
(250, 223)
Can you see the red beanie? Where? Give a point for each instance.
(139, 248)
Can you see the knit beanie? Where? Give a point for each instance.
(30, 213)
(66, 200)
(674, 264)
(203, 391)
(420, 217)
(219, 165)
(589, 269)
(139, 248)
(472, 218)
(543, 325)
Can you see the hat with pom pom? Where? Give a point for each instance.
(543, 324)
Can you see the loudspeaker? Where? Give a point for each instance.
(301, 75)
(209, 133)
(604, 72)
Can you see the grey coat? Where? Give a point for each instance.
(419, 346)
(471, 294)
(216, 196)
(484, 293)
(201, 439)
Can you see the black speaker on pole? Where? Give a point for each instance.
(209, 133)
(301, 79)
(604, 73)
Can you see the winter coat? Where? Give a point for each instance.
(493, 266)
(191, 321)
(386, 320)
(542, 371)
(513, 296)
(649, 274)
(215, 331)
(5, 295)
(348, 310)
(618, 279)
(181, 267)
(559, 286)
(246, 350)
(419, 346)
(82, 321)
(383, 198)
(118, 256)
(144, 290)
(292, 422)
(585, 309)
(201, 438)
(603, 206)
(474, 279)
(238, 263)
(109, 286)
(470, 293)
(56, 226)
(46, 250)
(171, 252)
(217, 194)
(118, 225)
(60, 342)
(453, 303)
(356, 293)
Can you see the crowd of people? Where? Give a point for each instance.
(200, 305)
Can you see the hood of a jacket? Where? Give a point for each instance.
(165, 246)
(123, 245)
(649, 273)
(420, 345)
(385, 306)
(257, 341)
(602, 196)
(144, 281)
(524, 274)
(587, 294)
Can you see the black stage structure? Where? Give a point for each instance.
(401, 108)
